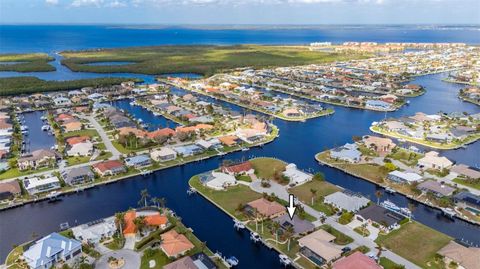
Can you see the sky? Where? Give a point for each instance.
(207, 12)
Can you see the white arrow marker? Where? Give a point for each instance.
(291, 207)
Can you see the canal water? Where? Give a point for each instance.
(142, 114)
(36, 138)
(298, 143)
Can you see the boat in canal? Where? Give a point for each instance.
(449, 212)
(238, 225)
(232, 261)
(390, 190)
(255, 237)
(393, 207)
(284, 259)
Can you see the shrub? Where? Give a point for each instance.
(345, 218)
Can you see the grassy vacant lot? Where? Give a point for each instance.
(367, 171)
(228, 200)
(405, 242)
(205, 60)
(33, 62)
(340, 238)
(475, 185)
(406, 157)
(265, 168)
(389, 264)
(26, 85)
(323, 188)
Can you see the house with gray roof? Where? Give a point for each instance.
(138, 161)
(49, 250)
(379, 215)
(346, 201)
(300, 226)
(78, 175)
(435, 187)
(347, 152)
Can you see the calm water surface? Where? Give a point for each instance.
(298, 142)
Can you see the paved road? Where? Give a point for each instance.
(359, 240)
(131, 258)
(108, 144)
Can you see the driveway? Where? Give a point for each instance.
(132, 259)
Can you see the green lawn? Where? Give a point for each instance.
(405, 242)
(406, 157)
(341, 238)
(228, 200)
(323, 189)
(199, 59)
(265, 168)
(466, 183)
(14, 172)
(388, 264)
(74, 160)
(160, 260)
(362, 231)
(85, 132)
(32, 62)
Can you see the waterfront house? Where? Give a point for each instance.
(347, 152)
(203, 144)
(404, 177)
(163, 154)
(461, 170)
(109, 168)
(62, 101)
(299, 225)
(357, 260)
(436, 188)
(77, 175)
(46, 252)
(164, 132)
(464, 257)
(9, 190)
(375, 214)
(77, 139)
(468, 201)
(196, 261)
(36, 159)
(72, 126)
(138, 161)
(175, 244)
(217, 180)
(346, 200)
(295, 175)
(36, 185)
(377, 104)
(81, 149)
(382, 146)
(319, 248)
(244, 168)
(95, 231)
(265, 208)
(229, 140)
(188, 150)
(153, 220)
(431, 160)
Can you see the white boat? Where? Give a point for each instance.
(245, 149)
(45, 127)
(238, 225)
(390, 190)
(284, 259)
(53, 196)
(255, 237)
(389, 205)
(232, 261)
(145, 172)
(64, 226)
(43, 118)
(191, 191)
(449, 212)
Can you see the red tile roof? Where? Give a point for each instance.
(357, 260)
(238, 168)
(107, 165)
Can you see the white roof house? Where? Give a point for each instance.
(62, 101)
(81, 149)
(163, 154)
(35, 185)
(347, 201)
(44, 253)
(296, 176)
(431, 160)
(219, 181)
(407, 177)
(93, 232)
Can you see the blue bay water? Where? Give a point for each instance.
(298, 142)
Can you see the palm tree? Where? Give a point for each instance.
(314, 193)
(139, 223)
(162, 202)
(379, 195)
(120, 221)
(144, 194)
(155, 201)
(203, 245)
(411, 207)
(275, 229)
(289, 234)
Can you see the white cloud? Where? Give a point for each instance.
(116, 3)
(83, 3)
(51, 2)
